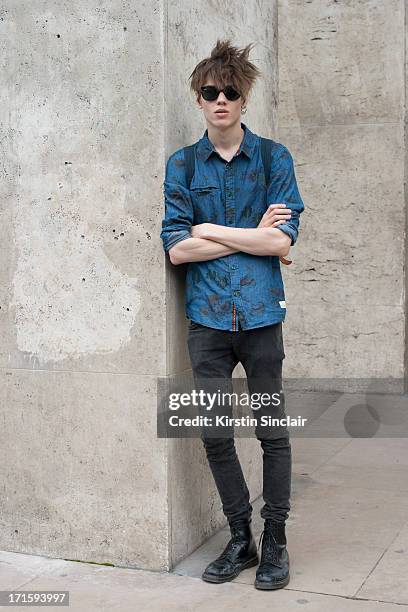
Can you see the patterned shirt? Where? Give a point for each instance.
(237, 286)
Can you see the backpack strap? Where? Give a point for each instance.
(266, 146)
(189, 162)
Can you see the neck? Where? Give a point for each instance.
(228, 138)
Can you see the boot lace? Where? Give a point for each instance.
(270, 550)
(227, 553)
(235, 542)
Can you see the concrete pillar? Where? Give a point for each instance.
(91, 313)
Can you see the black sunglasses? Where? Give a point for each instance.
(211, 93)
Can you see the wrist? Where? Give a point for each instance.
(211, 231)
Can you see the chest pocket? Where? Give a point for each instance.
(206, 199)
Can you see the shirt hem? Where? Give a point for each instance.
(277, 319)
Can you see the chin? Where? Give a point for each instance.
(230, 120)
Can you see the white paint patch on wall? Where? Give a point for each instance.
(57, 313)
(69, 298)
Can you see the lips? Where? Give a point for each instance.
(221, 112)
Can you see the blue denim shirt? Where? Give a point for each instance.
(237, 286)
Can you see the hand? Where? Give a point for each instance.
(275, 215)
(200, 230)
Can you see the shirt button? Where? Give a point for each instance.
(234, 267)
(236, 292)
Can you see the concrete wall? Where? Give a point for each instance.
(341, 113)
(96, 98)
(405, 119)
(92, 312)
(82, 289)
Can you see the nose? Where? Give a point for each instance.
(222, 98)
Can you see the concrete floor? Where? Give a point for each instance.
(347, 539)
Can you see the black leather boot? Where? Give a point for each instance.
(273, 571)
(240, 553)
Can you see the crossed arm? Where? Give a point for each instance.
(186, 242)
(210, 241)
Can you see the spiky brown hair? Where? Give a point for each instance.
(227, 65)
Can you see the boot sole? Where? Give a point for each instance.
(250, 563)
(264, 586)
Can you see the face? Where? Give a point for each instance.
(218, 119)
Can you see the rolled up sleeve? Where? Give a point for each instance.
(178, 217)
(283, 189)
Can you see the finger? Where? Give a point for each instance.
(278, 218)
(280, 213)
(268, 219)
(274, 207)
(281, 209)
(281, 217)
(277, 223)
(277, 205)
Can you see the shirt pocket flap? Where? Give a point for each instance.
(200, 185)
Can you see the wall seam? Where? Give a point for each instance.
(168, 472)
(405, 139)
(277, 127)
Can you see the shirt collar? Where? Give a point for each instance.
(205, 146)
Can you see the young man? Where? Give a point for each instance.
(232, 227)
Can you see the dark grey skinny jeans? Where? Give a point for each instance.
(214, 354)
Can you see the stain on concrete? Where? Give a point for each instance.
(60, 313)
